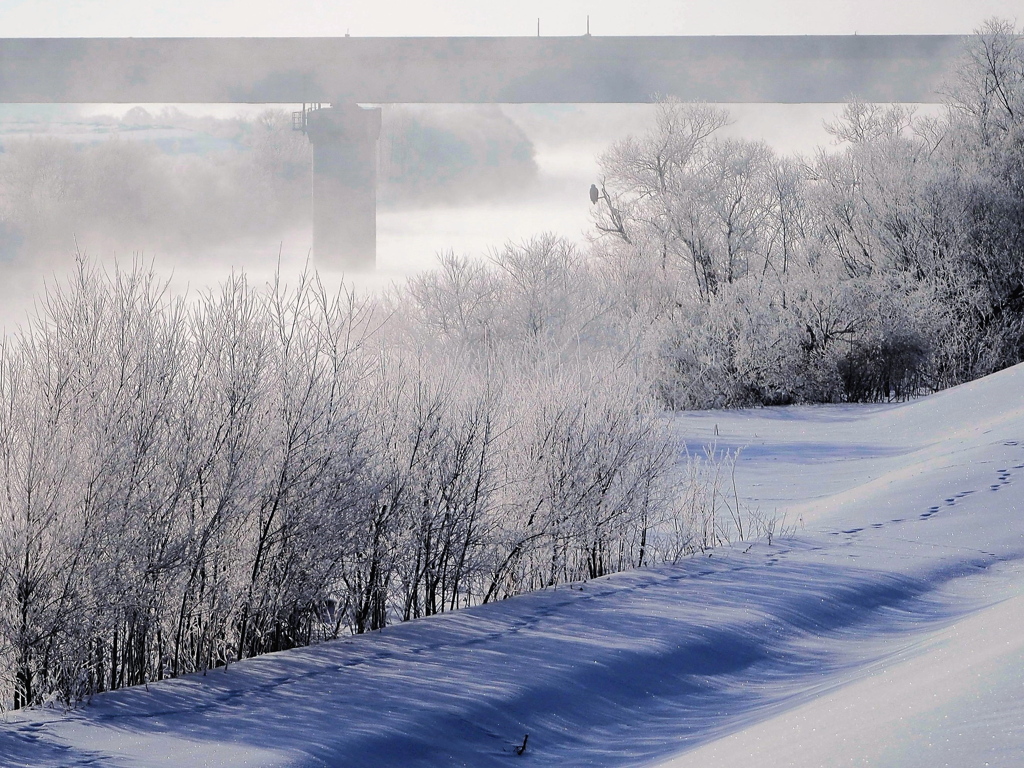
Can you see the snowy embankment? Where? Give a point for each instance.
(888, 630)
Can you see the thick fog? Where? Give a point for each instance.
(201, 190)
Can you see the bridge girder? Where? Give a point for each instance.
(770, 69)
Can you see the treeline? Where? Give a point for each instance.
(172, 181)
(436, 155)
(883, 268)
(209, 183)
(186, 483)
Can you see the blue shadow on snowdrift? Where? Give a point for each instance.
(663, 660)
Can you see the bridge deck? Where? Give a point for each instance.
(778, 69)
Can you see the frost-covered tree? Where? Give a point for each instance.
(884, 266)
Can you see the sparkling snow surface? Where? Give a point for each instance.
(887, 630)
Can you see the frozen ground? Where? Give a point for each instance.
(887, 631)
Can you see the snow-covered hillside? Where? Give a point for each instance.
(888, 629)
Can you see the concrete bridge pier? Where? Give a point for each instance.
(344, 138)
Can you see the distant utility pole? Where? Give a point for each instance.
(538, 26)
(588, 25)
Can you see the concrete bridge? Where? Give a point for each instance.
(346, 72)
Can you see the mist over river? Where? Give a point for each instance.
(567, 142)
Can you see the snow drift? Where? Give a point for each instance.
(885, 629)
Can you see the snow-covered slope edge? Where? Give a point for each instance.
(915, 561)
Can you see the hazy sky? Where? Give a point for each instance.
(123, 18)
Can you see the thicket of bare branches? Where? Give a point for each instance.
(187, 483)
(885, 267)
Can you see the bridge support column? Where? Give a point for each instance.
(344, 139)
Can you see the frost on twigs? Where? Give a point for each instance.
(709, 511)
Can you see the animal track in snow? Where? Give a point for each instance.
(1003, 477)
